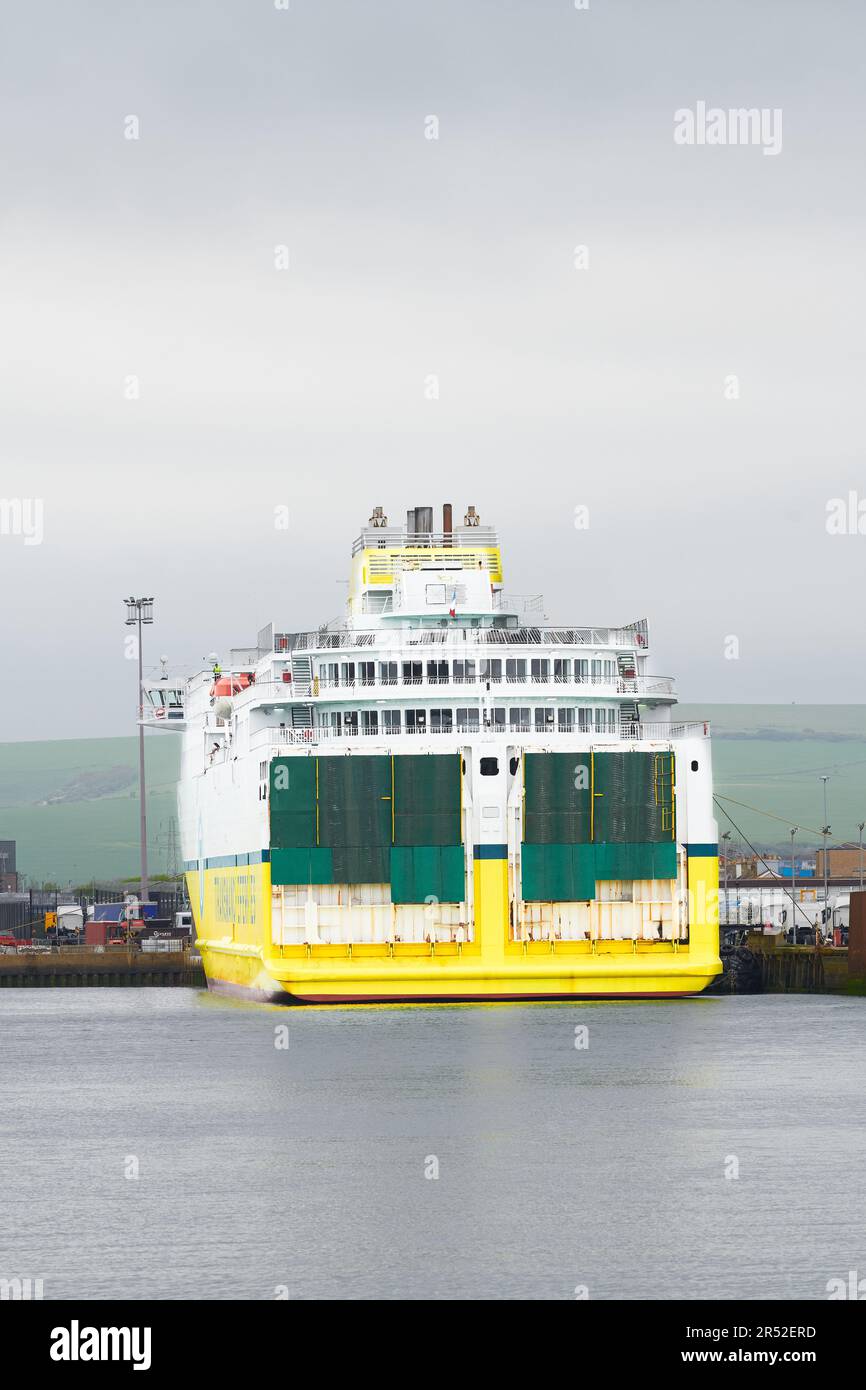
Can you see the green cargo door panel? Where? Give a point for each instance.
(422, 872)
(557, 801)
(334, 819)
(292, 794)
(299, 866)
(354, 801)
(633, 797)
(629, 861)
(570, 873)
(361, 863)
(427, 799)
(558, 873)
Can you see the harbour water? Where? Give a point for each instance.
(308, 1169)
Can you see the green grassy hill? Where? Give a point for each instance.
(771, 757)
(72, 805)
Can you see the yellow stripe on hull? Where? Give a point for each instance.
(234, 939)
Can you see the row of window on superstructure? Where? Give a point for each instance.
(469, 671)
(520, 719)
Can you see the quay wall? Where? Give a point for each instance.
(77, 967)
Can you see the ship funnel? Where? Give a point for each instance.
(447, 524)
(424, 521)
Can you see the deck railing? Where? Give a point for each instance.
(626, 638)
(631, 733)
(368, 686)
(395, 537)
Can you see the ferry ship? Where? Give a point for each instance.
(443, 798)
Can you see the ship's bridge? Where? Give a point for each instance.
(413, 572)
(163, 701)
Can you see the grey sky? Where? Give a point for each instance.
(411, 257)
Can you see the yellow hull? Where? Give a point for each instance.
(232, 916)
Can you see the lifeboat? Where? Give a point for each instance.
(231, 685)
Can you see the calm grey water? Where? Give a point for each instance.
(305, 1167)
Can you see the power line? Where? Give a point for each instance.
(759, 812)
(760, 859)
(797, 771)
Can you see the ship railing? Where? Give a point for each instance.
(519, 603)
(378, 604)
(612, 685)
(644, 732)
(624, 638)
(395, 537)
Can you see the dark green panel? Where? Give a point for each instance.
(292, 795)
(427, 799)
(633, 797)
(402, 875)
(453, 874)
(361, 863)
(354, 802)
(644, 860)
(558, 873)
(557, 801)
(294, 866)
(421, 872)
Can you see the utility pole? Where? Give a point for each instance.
(726, 837)
(825, 831)
(138, 612)
(794, 830)
(860, 827)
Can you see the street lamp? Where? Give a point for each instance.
(860, 827)
(825, 831)
(794, 829)
(138, 612)
(726, 835)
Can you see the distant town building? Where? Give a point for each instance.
(738, 865)
(842, 861)
(770, 865)
(8, 873)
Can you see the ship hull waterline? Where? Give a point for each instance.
(493, 968)
(247, 975)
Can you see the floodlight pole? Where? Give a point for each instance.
(825, 831)
(139, 611)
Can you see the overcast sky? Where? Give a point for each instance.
(606, 387)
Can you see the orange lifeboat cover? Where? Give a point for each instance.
(230, 685)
